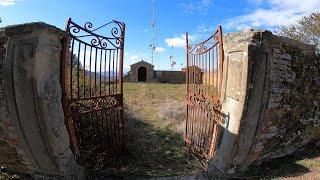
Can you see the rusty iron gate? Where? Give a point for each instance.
(92, 88)
(203, 81)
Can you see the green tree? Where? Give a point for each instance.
(307, 29)
(74, 62)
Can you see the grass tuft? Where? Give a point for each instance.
(155, 115)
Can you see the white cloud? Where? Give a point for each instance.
(179, 41)
(280, 13)
(199, 6)
(132, 59)
(176, 41)
(203, 32)
(159, 49)
(7, 2)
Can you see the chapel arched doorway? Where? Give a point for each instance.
(142, 74)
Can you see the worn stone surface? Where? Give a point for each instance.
(8, 138)
(270, 100)
(33, 135)
(234, 91)
(292, 116)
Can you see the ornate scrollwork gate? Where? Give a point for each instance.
(204, 77)
(92, 87)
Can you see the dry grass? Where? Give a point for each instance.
(155, 120)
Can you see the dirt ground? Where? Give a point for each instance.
(303, 164)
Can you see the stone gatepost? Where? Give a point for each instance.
(33, 136)
(271, 100)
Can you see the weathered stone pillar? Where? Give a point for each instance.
(270, 101)
(33, 136)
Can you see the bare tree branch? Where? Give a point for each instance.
(307, 29)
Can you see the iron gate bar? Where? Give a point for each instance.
(100, 101)
(204, 79)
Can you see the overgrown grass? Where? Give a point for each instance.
(162, 105)
(155, 120)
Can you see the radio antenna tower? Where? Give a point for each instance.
(172, 62)
(154, 28)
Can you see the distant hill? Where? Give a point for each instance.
(104, 75)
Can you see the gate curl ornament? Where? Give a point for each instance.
(96, 104)
(114, 41)
(201, 48)
(211, 106)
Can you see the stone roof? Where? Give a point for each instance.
(142, 62)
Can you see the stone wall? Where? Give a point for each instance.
(292, 115)
(178, 77)
(33, 136)
(271, 96)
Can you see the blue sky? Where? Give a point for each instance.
(174, 17)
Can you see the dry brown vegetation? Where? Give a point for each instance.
(155, 115)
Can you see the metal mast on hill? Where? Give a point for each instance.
(171, 60)
(154, 28)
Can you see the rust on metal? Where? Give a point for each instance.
(204, 80)
(92, 87)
